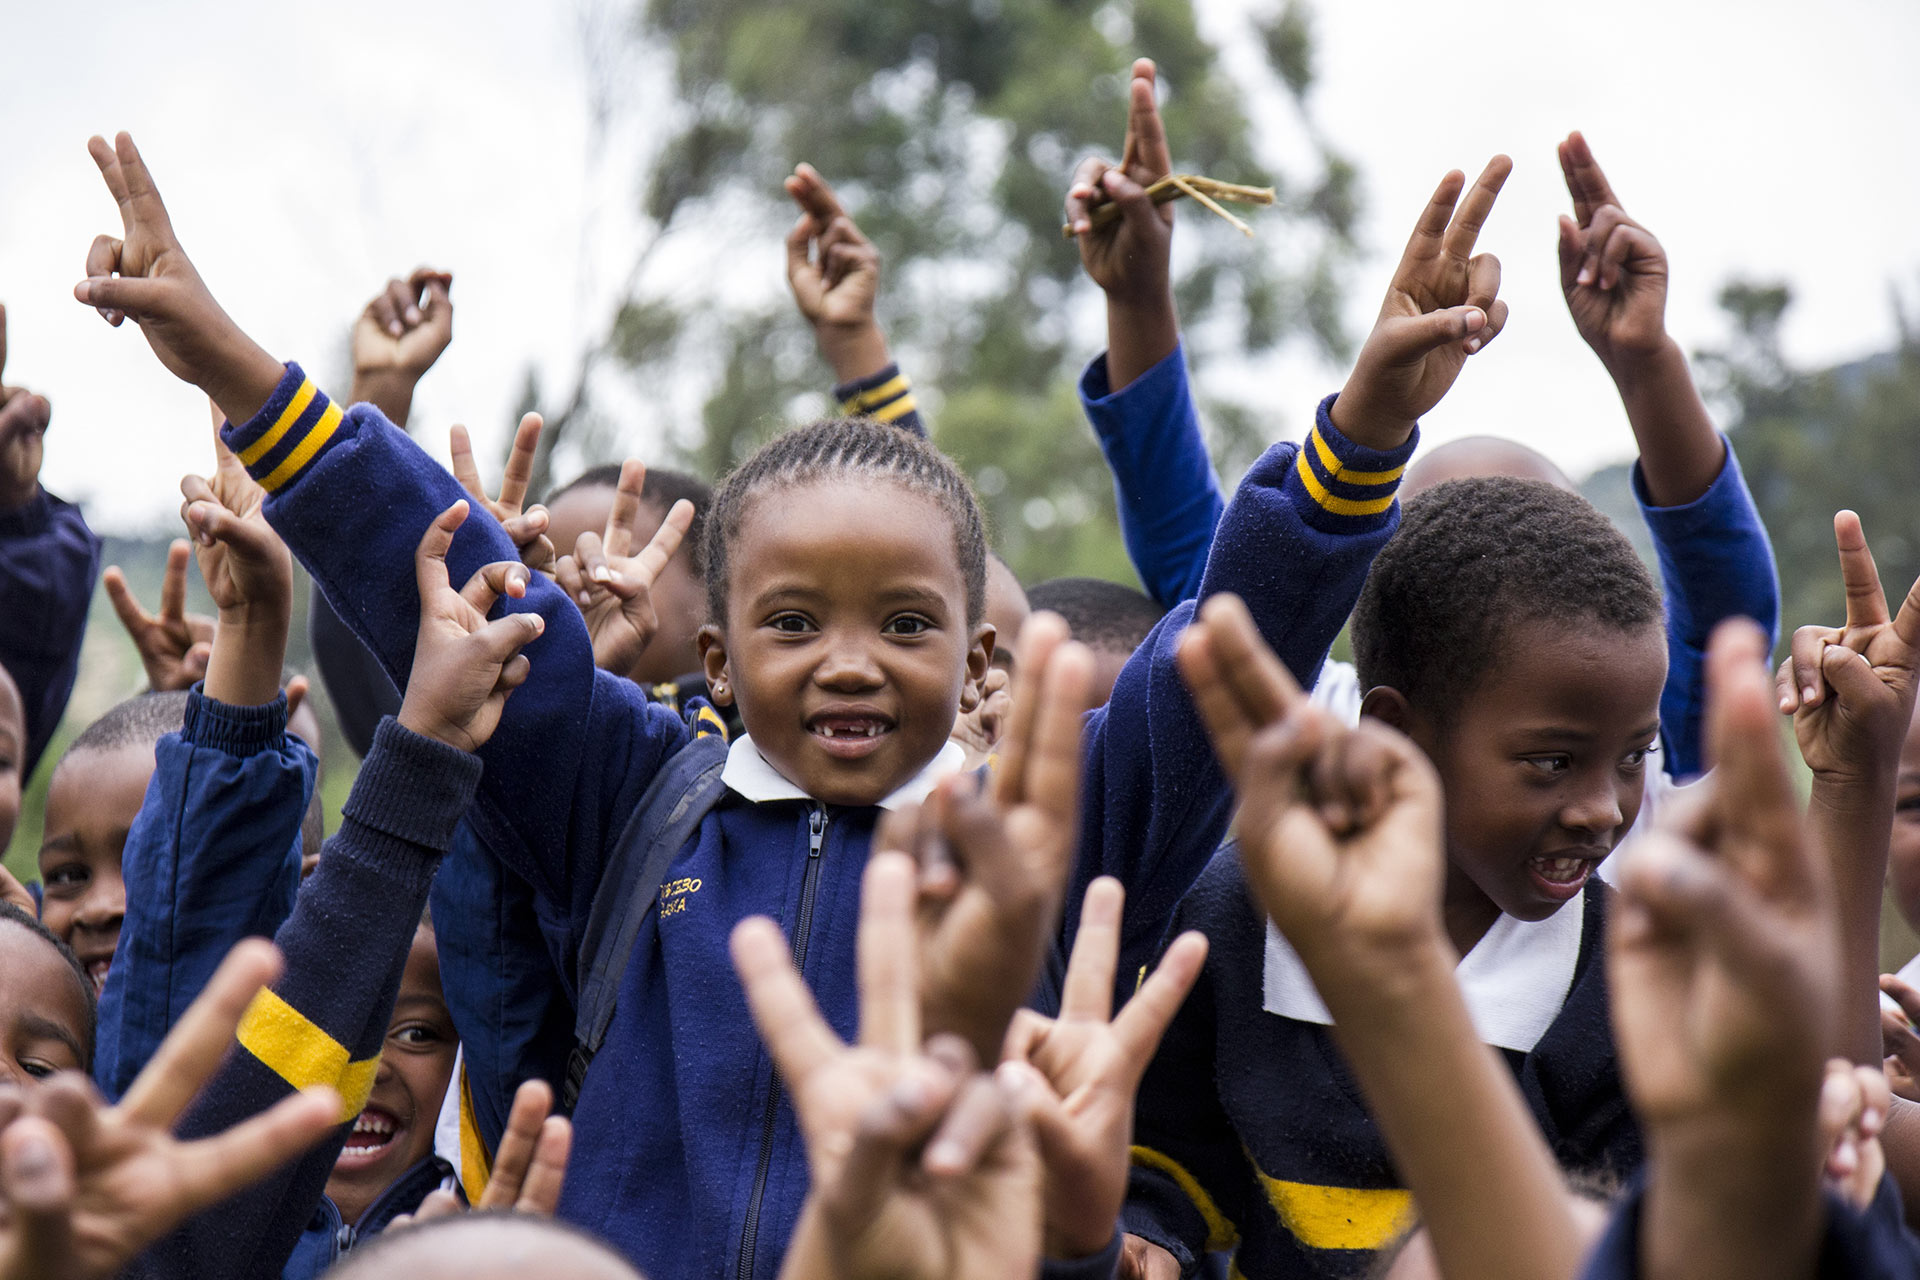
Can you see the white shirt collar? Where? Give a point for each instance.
(752, 776)
(1515, 979)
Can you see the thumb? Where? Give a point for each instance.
(1571, 251)
(1137, 210)
(36, 1183)
(1850, 675)
(1416, 337)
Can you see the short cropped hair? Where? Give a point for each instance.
(143, 719)
(395, 1252)
(1103, 615)
(662, 488)
(1472, 559)
(11, 914)
(852, 448)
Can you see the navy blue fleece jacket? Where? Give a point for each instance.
(49, 561)
(686, 1155)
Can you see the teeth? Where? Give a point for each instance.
(369, 1124)
(855, 731)
(1562, 870)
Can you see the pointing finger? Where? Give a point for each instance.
(491, 581)
(622, 521)
(519, 474)
(465, 470)
(1464, 230)
(1866, 601)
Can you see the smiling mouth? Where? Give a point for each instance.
(97, 973)
(849, 736)
(374, 1132)
(1562, 877)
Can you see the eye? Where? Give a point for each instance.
(907, 624)
(1636, 759)
(415, 1035)
(792, 624)
(66, 879)
(1551, 766)
(1909, 803)
(37, 1069)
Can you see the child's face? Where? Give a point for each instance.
(43, 1012)
(846, 645)
(1544, 766)
(679, 598)
(395, 1129)
(1007, 610)
(1903, 860)
(13, 757)
(91, 802)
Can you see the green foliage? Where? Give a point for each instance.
(950, 128)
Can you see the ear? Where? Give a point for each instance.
(1389, 706)
(979, 658)
(712, 642)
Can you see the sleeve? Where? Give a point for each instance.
(1104, 1265)
(1168, 497)
(576, 747)
(357, 687)
(1715, 563)
(1856, 1245)
(213, 857)
(49, 562)
(326, 1019)
(886, 396)
(1295, 544)
(1188, 1186)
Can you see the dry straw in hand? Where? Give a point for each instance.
(1207, 191)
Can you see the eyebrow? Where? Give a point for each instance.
(1561, 733)
(40, 1028)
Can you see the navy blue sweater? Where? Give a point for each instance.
(49, 561)
(1251, 1133)
(686, 1155)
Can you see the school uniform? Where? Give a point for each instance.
(686, 1154)
(1715, 559)
(49, 563)
(1251, 1134)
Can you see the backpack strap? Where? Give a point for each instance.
(671, 810)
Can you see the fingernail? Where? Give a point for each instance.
(1810, 693)
(1585, 276)
(413, 315)
(393, 327)
(946, 1155)
(600, 574)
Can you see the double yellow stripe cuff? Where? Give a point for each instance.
(293, 1047)
(295, 437)
(1340, 504)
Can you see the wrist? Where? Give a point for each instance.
(855, 352)
(1633, 366)
(387, 390)
(1368, 981)
(248, 652)
(244, 377)
(1361, 423)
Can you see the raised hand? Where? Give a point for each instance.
(84, 1186)
(528, 1169)
(146, 276)
(463, 665)
(1612, 270)
(834, 272)
(1854, 1102)
(922, 1169)
(23, 427)
(1851, 688)
(1898, 1040)
(979, 731)
(242, 559)
(994, 860)
(1441, 307)
(400, 333)
(526, 525)
(174, 645)
(614, 586)
(1078, 1073)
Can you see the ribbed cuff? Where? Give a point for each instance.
(413, 788)
(1100, 1266)
(1349, 481)
(886, 396)
(291, 430)
(235, 730)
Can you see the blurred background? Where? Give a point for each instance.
(602, 179)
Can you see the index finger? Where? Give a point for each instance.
(531, 1103)
(430, 560)
(621, 521)
(186, 1059)
(1472, 213)
(1146, 146)
(1753, 793)
(1866, 600)
(144, 196)
(1051, 766)
(173, 583)
(888, 976)
(526, 443)
(1585, 182)
(811, 192)
(783, 1008)
(1087, 992)
(666, 540)
(465, 469)
(109, 161)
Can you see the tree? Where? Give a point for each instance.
(950, 127)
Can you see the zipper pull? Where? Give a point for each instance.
(343, 1239)
(816, 830)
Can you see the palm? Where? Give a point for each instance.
(233, 580)
(1631, 316)
(621, 629)
(1824, 731)
(1091, 1072)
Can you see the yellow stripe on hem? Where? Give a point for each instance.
(1334, 468)
(1221, 1233)
(293, 1047)
(1336, 505)
(898, 409)
(892, 387)
(284, 423)
(1341, 1217)
(304, 452)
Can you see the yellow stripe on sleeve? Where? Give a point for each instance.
(303, 453)
(892, 387)
(1332, 463)
(476, 1166)
(1221, 1234)
(1341, 1217)
(1336, 505)
(898, 409)
(293, 1047)
(284, 423)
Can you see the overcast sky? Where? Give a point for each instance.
(308, 152)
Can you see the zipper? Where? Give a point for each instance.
(802, 928)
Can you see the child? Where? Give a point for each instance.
(1108, 618)
(1715, 560)
(1511, 632)
(49, 560)
(846, 581)
(487, 1246)
(92, 801)
(46, 1003)
(13, 757)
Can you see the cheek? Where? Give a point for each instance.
(1903, 867)
(58, 917)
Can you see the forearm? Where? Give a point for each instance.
(1738, 1199)
(389, 392)
(1489, 1191)
(1852, 822)
(853, 352)
(1140, 334)
(249, 650)
(1680, 452)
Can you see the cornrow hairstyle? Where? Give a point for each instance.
(1472, 559)
(143, 719)
(662, 488)
(854, 448)
(10, 914)
(1102, 615)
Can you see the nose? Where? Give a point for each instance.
(100, 911)
(1597, 809)
(848, 666)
